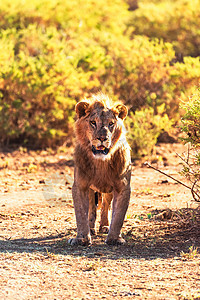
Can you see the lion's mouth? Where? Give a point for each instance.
(100, 150)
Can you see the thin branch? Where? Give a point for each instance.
(185, 162)
(188, 156)
(194, 194)
(190, 171)
(188, 187)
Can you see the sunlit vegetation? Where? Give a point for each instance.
(53, 53)
(190, 125)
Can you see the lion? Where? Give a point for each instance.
(102, 168)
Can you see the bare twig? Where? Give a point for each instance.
(188, 154)
(194, 194)
(185, 162)
(190, 171)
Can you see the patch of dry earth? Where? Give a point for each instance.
(162, 230)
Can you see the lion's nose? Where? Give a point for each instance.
(102, 138)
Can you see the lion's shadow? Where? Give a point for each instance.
(168, 240)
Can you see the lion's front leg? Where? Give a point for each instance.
(81, 206)
(104, 222)
(119, 209)
(92, 211)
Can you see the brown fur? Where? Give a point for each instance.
(102, 164)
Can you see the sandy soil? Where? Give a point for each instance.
(160, 260)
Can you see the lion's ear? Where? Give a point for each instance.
(81, 108)
(121, 110)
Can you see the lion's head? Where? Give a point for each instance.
(99, 127)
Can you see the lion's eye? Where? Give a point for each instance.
(111, 124)
(93, 123)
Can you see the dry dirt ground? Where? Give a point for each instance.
(160, 260)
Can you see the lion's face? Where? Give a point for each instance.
(103, 125)
(99, 127)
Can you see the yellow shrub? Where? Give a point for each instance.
(144, 127)
(53, 53)
(173, 21)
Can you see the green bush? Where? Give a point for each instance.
(191, 119)
(74, 17)
(36, 90)
(144, 127)
(173, 21)
(53, 53)
(140, 72)
(49, 60)
(191, 127)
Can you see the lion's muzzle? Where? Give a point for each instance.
(100, 150)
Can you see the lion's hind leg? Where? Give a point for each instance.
(95, 199)
(104, 222)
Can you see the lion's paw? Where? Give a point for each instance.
(79, 241)
(119, 241)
